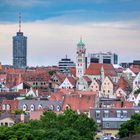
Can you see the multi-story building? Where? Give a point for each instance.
(80, 59)
(19, 49)
(65, 64)
(112, 118)
(107, 58)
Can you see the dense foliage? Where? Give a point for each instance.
(130, 127)
(66, 126)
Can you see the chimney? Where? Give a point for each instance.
(22, 117)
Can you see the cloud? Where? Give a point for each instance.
(48, 42)
(24, 3)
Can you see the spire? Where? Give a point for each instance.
(80, 38)
(19, 22)
(102, 73)
(81, 42)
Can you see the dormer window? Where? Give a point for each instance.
(58, 108)
(51, 107)
(32, 107)
(24, 107)
(3, 107)
(8, 107)
(40, 106)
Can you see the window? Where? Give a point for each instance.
(97, 114)
(6, 124)
(125, 114)
(118, 113)
(8, 107)
(32, 107)
(51, 107)
(40, 106)
(24, 107)
(3, 107)
(58, 108)
(108, 91)
(106, 113)
(136, 111)
(107, 125)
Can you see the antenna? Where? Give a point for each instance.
(81, 38)
(19, 21)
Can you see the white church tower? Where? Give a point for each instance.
(80, 59)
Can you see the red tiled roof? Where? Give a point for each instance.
(56, 96)
(66, 91)
(13, 103)
(72, 80)
(79, 102)
(85, 92)
(73, 71)
(123, 84)
(35, 115)
(95, 69)
(87, 79)
(125, 104)
(60, 76)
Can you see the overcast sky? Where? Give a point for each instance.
(54, 27)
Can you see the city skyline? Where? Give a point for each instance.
(54, 29)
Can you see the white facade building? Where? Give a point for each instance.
(80, 59)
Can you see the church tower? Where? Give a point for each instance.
(80, 59)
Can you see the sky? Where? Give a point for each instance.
(54, 28)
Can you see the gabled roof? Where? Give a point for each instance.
(95, 69)
(72, 80)
(60, 76)
(123, 84)
(79, 102)
(87, 79)
(73, 71)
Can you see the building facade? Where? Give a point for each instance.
(80, 59)
(106, 58)
(65, 64)
(112, 118)
(19, 50)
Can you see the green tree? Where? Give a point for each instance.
(130, 127)
(66, 126)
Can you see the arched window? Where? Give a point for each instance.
(67, 107)
(8, 107)
(24, 107)
(32, 107)
(3, 107)
(51, 107)
(58, 108)
(40, 106)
